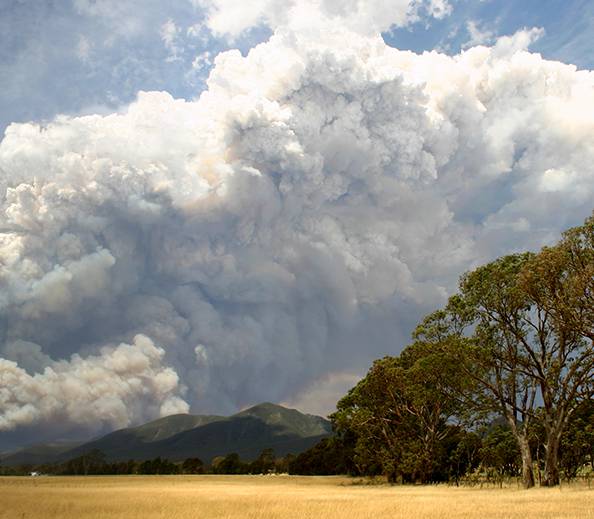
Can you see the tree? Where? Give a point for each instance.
(577, 443)
(484, 328)
(282, 465)
(158, 466)
(522, 327)
(230, 464)
(559, 282)
(193, 466)
(370, 412)
(462, 450)
(265, 462)
(329, 456)
(92, 462)
(399, 413)
(499, 453)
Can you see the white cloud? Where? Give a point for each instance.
(170, 34)
(202, 61)
(440, 8)
(230, 18)
(478, 35)
(520, 40)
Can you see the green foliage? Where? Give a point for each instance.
(577, 444)
(230, 464)
(158, 466)
(462, 450)
(399, 413)
(92, 462)
(264, 464)
(193, 466)
(499, 454)
(331, 456)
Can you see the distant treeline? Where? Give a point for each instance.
(95, 463)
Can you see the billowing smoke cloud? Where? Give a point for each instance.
(295, 221)
(123, 383)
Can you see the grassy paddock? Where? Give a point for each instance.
(181, 497)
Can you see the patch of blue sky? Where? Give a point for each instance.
(77, 57)
(568, 25)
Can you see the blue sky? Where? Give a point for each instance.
(83, 56)
(568, 25)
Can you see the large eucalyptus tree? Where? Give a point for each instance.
(522, 327)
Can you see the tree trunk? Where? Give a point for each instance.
(539, 472)
(521, 436)
(392, 477)
(551, 471)
(527, 472)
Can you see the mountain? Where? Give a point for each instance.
(144, 441)
(248, 433)
(39, 453)
(182, 436)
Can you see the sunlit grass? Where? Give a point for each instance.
(181, 497)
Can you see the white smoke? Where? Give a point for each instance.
(294, 221)
(123, 384)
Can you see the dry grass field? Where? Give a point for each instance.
(182, 497)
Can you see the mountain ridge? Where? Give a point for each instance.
(180, 436)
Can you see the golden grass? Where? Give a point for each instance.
(184, 497)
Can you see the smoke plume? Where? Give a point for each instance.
(293, 222)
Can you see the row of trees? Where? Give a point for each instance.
(488, 453)
(266, 463)
(393, 438)
(95, 463)
(515, 343)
